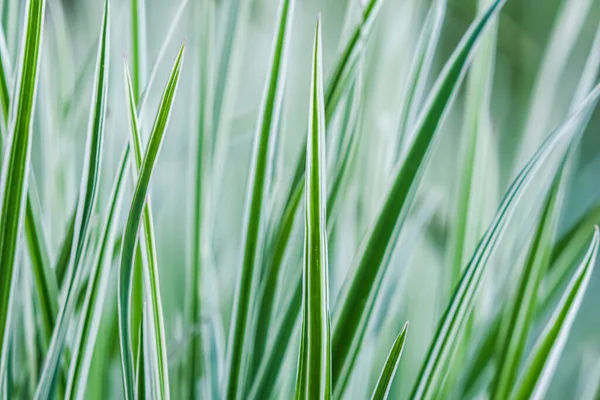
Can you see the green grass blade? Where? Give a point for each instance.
(86, 204)
(519, 319)
(384, 383)
(544, 357)
(5, 78)
(138, 39)
(140, 370)
(315, 351)
(196, 361)
(357, 300)
(241, 326)
(419, 72)
(91, 312)
(131, 229)
(448, 332)
(150, 262)
(16, 164)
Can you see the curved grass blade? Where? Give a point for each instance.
(314, 364)
(384, 383)
(197, 360)
(138, 39)
(448, 332)
(519, 319)
(150, 262)
(131, 229)
(16, 164)
(358, 298)
(242, 327)
(419, 72)
(86, 204)
(544, 357)
(91, 312)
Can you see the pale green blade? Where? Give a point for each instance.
(356, 302)
(242, 327)
(91, 312)
(384, 383)
(449, 329)
(16, 164)
(86, 204)
(543, 360)
(139, 47)
(314, 364)
(130, 236)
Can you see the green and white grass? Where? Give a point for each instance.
(166, 231)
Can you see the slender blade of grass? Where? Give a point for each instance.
(91, 312)
(130, 236)
(544, 357)
(5, 79)
(314, 363)
(16, 164)
(242, 327)
(358, 298)
(384, 383)
(86, 204)
(138, 40)
(449, 328)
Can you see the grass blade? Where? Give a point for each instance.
(5, 78)
(546, 353)
(130, 236)
(91, 312)
(314, 365)
(16, 164)
(242, 327)
(86, 204)
(519, 320)
(358, 298)
(457, 312)
(384, 383)
(138, 39)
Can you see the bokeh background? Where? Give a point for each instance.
(532, 42)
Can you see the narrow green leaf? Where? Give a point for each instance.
(449, 329)
(358, 298)
(544, 358)
(242, 327)
(130, 236)
(138, 40)
(314, 364)
(5, 78)
(148, 246)
(91, 312)
(384, 383)
(86, 204)
(16, 164)
(519, 319)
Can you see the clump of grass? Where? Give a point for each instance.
(320, 318)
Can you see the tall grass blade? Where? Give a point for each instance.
(130, 236)
(86, 204)
(242, 327)
(449, 329)
(138, 39)
(384, 383)
(358, 298)
(544, 357)
(314, 364)
(16, 164)
(91, 312)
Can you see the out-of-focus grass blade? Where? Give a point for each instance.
(197, 356)
(150, 262)
(130, 236)
(449, 329)
(544, 357)
(419, 72)
(138, 40)
(242, 327)
(16, 164)
(86, 204)
(91, 312)
(518, 320)
(314, 364)
(358, 298)
(384, 383)
(5, 78)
